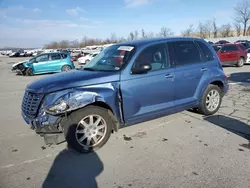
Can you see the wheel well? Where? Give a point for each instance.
(242, 57)
(110, 111)
(219, 84)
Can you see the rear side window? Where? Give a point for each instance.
(55, 56)
(184, 52)
(242, 47)
(229, 48)
(206, 51)
(64, 55)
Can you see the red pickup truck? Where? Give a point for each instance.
(232, 54)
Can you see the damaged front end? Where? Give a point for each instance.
(47, 113)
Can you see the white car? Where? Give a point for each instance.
(84, 60)
(248, 56)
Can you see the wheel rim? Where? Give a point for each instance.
(91, 130)
(241, 62)
(212, 100)
(66, 68)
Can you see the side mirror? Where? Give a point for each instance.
(142, 69)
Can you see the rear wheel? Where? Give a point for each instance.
(66, 68)
(240, 62)
(211, 100)
(29, 72)
(88, 129)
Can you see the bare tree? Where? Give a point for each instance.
(201, 29)
(136, 34)
(237, 27)
(208, 28)
(242, 11)
(248, 31)
(226, 30)
(131, 36)
(189, 31)
(74, 44)
(113, 37)
(165, 32)
(215, 29)
(150, 35)
(143, 34)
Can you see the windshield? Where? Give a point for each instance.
(112, 58)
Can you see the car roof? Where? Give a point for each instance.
(143, 42)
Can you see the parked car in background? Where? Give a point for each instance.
(85, 59)
(239, 41)
(76, 56)
(37, 53)
(232, 54)
(217, 47)
(16, 53)
(248, 56)
(222, 42)
(45, 63)
(85, 106)
(246, 44)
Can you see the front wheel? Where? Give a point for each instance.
(29, 72)
(88, 129)
(211, 100)
(240, 62)
(66, 68)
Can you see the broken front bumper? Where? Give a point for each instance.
(47, 126)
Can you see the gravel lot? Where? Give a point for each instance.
(180, 150)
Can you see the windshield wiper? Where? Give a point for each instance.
(89, 69)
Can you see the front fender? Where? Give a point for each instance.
(83, 96)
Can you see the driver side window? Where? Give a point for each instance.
(42, 58)
(154, 55)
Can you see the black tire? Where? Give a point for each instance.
(29, 72)
(203, 109)
(70, 127)
(66, 68)
(240, 62)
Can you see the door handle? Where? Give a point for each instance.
(204, 69)
(169, 76)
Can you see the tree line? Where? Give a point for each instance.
(205, 29)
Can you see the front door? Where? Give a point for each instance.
(149, 94)
(41, 63)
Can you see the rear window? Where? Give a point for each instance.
(229, 48)
(206, 51)
(184, 52)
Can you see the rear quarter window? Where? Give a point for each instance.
(208, 54)
(64, 56)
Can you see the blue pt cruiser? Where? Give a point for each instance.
(125, 84)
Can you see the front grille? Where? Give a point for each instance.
(20, 66)
(30, 104)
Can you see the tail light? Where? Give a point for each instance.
(71, 60)
(226, 77)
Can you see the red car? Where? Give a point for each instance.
(232, 54)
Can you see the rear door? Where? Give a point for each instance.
(55, 63)
(187, 59)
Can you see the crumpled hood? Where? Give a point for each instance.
(20, 62)
(71, 79)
